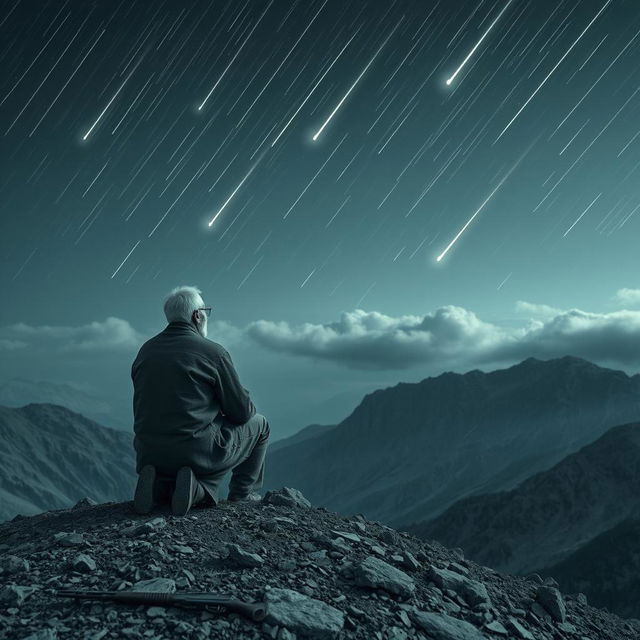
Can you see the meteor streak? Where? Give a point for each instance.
(314, 88)
(237, 188)
(552, 70)
(86, 135)
(450, 80)
(375, 55)
(128, 254)
(234, 57)
(486, 200)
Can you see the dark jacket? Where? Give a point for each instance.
(185, 386)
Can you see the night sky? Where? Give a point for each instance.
(366, 192)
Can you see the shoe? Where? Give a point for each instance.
(187, 492)
(144, 499)
(252, 496)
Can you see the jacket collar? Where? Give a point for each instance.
(181, 325)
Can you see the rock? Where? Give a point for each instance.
(285, 564)
(378, 574)
(551, 599)
(286, 497)
(155, 585)
(83, 562)
(458, 568)
(13, 564)
(242, 557)
(69, 539)
(354, 537)
(301, 614)
(389, 536)
(146, 527)
(84, 502)
(409, 561)
(440, 626)
(472, 591)
(519, 630)
(496, 627)
(395, 633)
(540, 612)
(13, 595)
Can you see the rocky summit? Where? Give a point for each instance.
(321, 575)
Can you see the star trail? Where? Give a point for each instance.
(324, 149)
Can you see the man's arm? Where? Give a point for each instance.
(234, 398)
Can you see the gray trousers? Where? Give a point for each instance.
(241, 449)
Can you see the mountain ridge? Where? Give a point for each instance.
(455, 435)
(550, 514)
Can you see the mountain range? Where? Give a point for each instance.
(51, 457)
(552, 514)
(406, 453)
(534, 468)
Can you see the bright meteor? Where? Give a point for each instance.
(375, 55)
(486, 200)
(484, 35)
(86, 135)
(237, 188)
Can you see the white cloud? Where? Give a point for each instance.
(372, 340)
(108, 335)
(628, 296)
(543, 310)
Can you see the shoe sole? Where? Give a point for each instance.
(182, 498)
(143, 501)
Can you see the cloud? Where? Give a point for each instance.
(537, 309)
(11, 345)
(372, 340)
(628, 296)
(108, 335)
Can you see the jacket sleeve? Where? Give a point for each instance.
(234, 398)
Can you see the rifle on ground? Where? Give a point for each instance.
(193, 600)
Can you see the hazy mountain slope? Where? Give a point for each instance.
(552, 514)
(606, 569)
(51, 456)
(311, 431)
(17, 392)
(408, 452)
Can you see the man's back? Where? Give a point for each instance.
(183, 386)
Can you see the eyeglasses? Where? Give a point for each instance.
(206, 309)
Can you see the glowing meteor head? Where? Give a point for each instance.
(449, 81)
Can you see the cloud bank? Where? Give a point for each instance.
(452, 334)
(370, 340)
(108, 335)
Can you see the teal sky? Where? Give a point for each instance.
(321, 264)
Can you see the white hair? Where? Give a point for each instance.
(181, 303)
